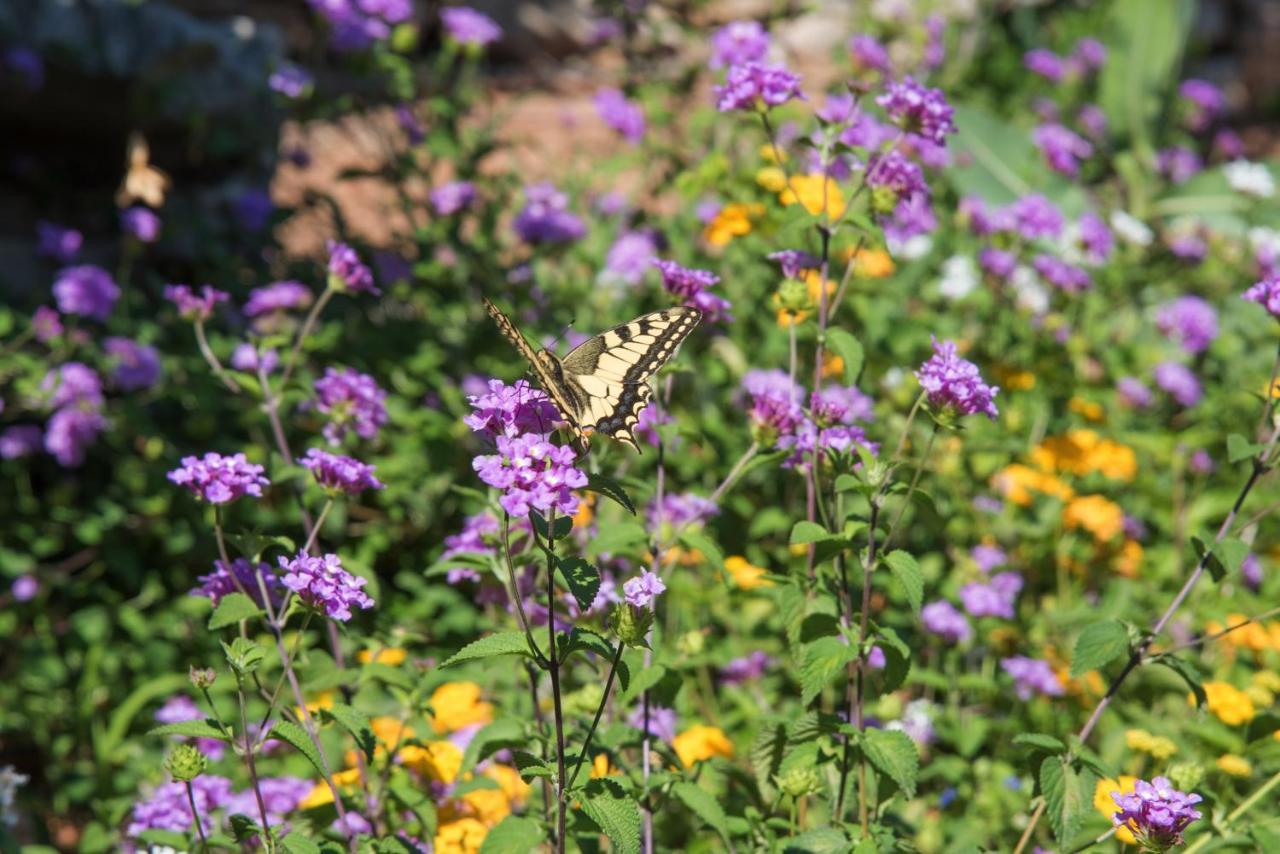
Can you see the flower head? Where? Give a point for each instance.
(1066, 277)
(869, 53)
(323, 583)
(168, 808)
(545, 217)
(475, 538)
(1179, 381)
(630, 256)
(1178, 163)
(1032, 676)
(642, 590)
(58, 242)
(679, 509)
(448, 199)
(1190, 321)
(918, 109)
(339, 474)
(746, 668)
(347, 273)
(46, 324)
(1034, 217)
(1252, 179)
(511, 410)
(1202, 102)
(738, 42)
(194, 306)
(793, 262)
(953, 383)
(352, 401)
(692, 286)
(70, 432)
(20, 440)
(1155, 813)
(944, 620)
(467, 26)
(220, 479)
(356, 24)
(86, 290)
(994, 597)
(623, 115)
(533, 474)
(1045, 63)
(136, 365)
(142, 223)
(73, 384)
(754, 86)
(661, 723)
(291, 81)
(222, 581)
(277, 296)
(1266, 293)
(1062, 148)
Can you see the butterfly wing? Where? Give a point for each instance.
(609, 374)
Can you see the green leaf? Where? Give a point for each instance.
(612, 489)
(893, 753)
(513, 835)
(1223, 558)
(1098, 645)
(504, 733)
(767, 750)
(643, 681)
(805, 532)
(296, 843)
(530, 766)
(824, 840)
(1065, 803)
(243, 828)
(823, 659)
(1184, 669)
(897, 658)
(1239, 448)
(582, 578)
(564, 525)
(710, 550)
(618, 538)
(1040, 741)
(907, 571)
(995, 156)
(231, 609)
(704, 806)
(848, 348)
(206, 728)
(614, 813)
(297, 738)
(498, 643)
(169, 838)
(355, 722)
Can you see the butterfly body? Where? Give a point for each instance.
(603, 383)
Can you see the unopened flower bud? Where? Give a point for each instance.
(185, 762)
(799, 782)
(691, 643)
(632, 624)
(1186, 775)
(883, 200)
(202, 677)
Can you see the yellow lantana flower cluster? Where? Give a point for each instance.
(1083, 452)
(816, 193)
(1227, 703)
(1253, 636)
(745, 574)
(1105, 804)
(1098, 515)
(701, 742)
(1157, 746)
(456, 705)
(734, 220)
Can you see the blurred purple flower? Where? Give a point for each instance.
(662, 722)
(352, 401)
(280, 795)
(70, 432)
(1178, 163)
(1062, 149)
(277, 296)
(643, 590)
(753, 86)
(864, 131)
(1250, 572)
(1265, 293)
(1134, 392)
(1203, 102)
(1032, 676)
(997, 262)
(245, 358)
(467, 26)
(1201, 462)
(545, 217)
(944, 620)
(142, 223)
(988, 557)
(86, 290)
(1045, 63)
(1189, 321)
(167, 808)
(955, 384)
(20, 440)
(136, 365)
(58, 242)
(692, 287)
(24, 588)
(918, 109)
(869, 53)
(347, 273)
(194, 306)
(1035, 217)
(680, 509)
(794, 262)
(1095, 237)
(912, 217)
(630, 257)
(1188, 246)
(994, 597)
(1179, 381)
(72, 384)
(624, 116)
(473, 539)
(409, 122)
(222, 581)
(533, 474)
(511, 410)
(1093, 122)
(338, 473)
(837, 109)
(651, 418)
(46, 324)
(291, 81)
(1063, 276)
(253, 209)
(219, 479)
(746, 668)
(448, 199)
(896, 172)
(1229, 144)
(738, 42)
(1088, 55)
(323, 583)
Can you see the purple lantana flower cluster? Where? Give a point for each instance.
(693, 288)
(1086, 56)
(641, 591)
(1191, 322)
(1156, 813)
(533, 474)
(448, 199)
(476, 538)
(679, 509)
(86, 290)
(918, 109)
(357, 24)
(180, 708)
(347, 273)
(955, 385)
(291, 81)
(510, 410)
(136, 366)
(220, 479)
(623, 115)
(1032, 676)
(546, 218)
(193, 305)
(1063, 149)
(746, 668)
(630, 256)
(277, 296)
(737, 43)
(141, 223)
(469, 27)
(339, 474)
(222, 581)
(829, 427)
(1266, 293)
(1179, 382)
(755, 86)
(993, 597)
(324, 584)
(168, 809)
(946, 621)
(352, 401)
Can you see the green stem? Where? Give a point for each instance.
(303, 334)
(205, 350)
(195, 816)
(608, 686)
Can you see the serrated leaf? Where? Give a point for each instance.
(582, 579)
(1098, 645)
(513, 835)
(231, 609)
(1239, 448)
(296, 843)
(803, 533)
(1188, 674)
(907, 572)
(893, 753)
(1040, 741)
(708, 547)
(243, 828)
(704, 805)
(614, 813)
(612, 489)
(823, 659)
(1221, 558)
(297, 738)
(849, 349)
(355, 722)
(1064, 801)
(564, 525)
(530, 766)
(498, 643)
(767, 750)
(204, 728)
(897, 658)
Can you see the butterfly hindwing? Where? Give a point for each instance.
(603, 383)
